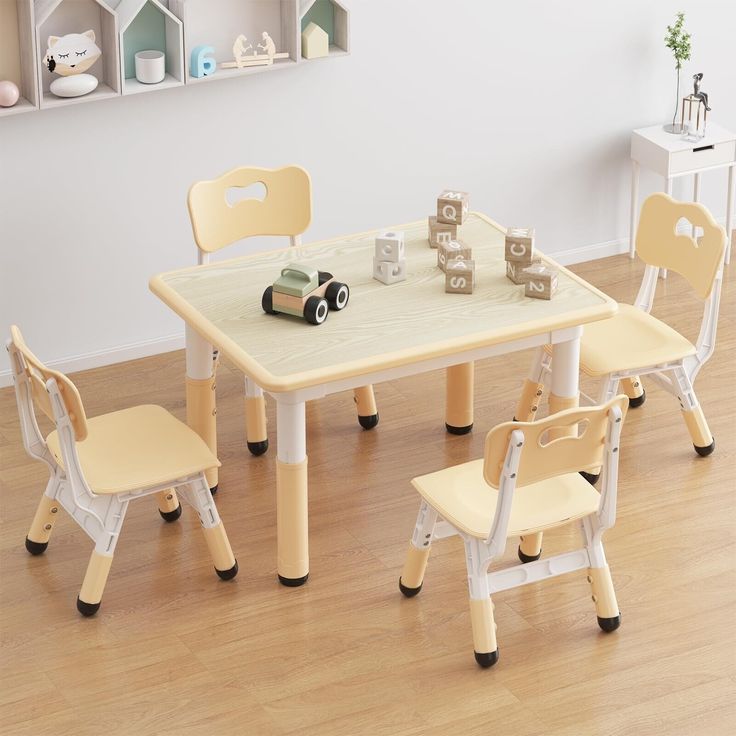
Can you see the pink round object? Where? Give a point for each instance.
(9, 93)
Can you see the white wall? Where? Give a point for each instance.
(528, 105)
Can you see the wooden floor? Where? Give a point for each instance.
(176, 651)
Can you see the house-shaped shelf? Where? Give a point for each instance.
(59, 17)
(148, 25)
(333, 17)
(217, 23)
(17, 53)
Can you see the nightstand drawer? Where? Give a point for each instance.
(703, 156)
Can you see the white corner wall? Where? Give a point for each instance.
(528, 105)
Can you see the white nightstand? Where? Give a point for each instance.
(670, 156)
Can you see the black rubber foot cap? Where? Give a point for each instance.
(635, 403)
(87, 609)
(609, 624)
(592, 478)
(528, 558)
(705, 451)
(170, 516)
(458, 430)
(214, 488)
(258, 448)
(293, 582)
(486, 659)
(369, 421)
(408, 592)
(36, 548)
(228, 574)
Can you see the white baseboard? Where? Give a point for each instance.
(99, 358)
(159, 345)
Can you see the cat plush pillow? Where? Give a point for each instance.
(72, 54)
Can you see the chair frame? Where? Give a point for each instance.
(255, 407)
(100, 516)
(480, 553)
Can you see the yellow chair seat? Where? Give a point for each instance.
(137, 448)
(462, 497)
(628, 340)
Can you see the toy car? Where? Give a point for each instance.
(305, 292)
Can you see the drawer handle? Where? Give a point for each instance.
(704, 148)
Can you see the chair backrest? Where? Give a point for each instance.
(27, 366)
(566, 442)
(659, 244)
(285, 210)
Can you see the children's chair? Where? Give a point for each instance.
(286, 210)
(529, 475)
(633, 342)
(98, 465)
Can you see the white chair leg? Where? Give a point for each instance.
(599, 577)
(46, 514)
(702, 438)
(477, 560)
(256, 434)
(197, 494)
(412, 576)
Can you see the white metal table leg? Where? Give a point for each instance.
(200, 380)
(292, 524)
(729, 212)
(634, 206)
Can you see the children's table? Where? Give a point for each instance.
(385, 332)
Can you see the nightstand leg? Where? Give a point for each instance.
(634, 207)
(292, 525)
(729, 212)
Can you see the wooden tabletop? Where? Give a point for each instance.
(382, 326)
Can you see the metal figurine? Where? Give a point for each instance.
(697, 78)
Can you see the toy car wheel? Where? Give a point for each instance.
(337, 295)
(316, 310)
(267, 301)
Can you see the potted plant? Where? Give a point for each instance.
(678, 41)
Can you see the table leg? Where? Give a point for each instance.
(292, 524)
(459, 398)
(564, 394)
(256, 435)
(696, 196)
(667, 190)
(634, 206)
(201, 409)
(729, 212)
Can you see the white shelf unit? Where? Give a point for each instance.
(17, 53)
(59, 17)
(217, 23)
(148, 25)
(333, 17)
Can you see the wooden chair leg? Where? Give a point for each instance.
(168, 505)
(604, 597)
(633, 388)
(703, 440)
(412, 576)
(530, 547)
(366, 405)
(484, 632)
(43, 523)
(90, 595)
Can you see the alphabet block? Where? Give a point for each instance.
(453, 207)
(540, 281)
(389, 272)
(440, 232)
(460, 277)
(452, 251)
(515, 271)
(390, 246)
(520, 244)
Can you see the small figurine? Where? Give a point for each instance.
(244, 59)
(303, 291)
(240, 49)
(389, 263)
(70, 57)
(540, 281)
(697, 94)
(268, 46)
